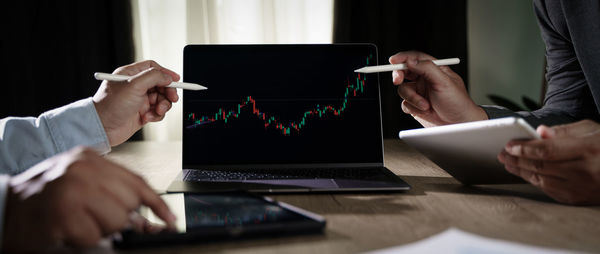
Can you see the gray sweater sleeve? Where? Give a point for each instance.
(571, 89)
(535, 118)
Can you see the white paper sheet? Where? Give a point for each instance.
(455, 241)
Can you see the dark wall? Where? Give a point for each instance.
(50, 50)
(437, 27)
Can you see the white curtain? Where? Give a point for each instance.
(163, 27)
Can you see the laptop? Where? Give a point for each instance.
(282, 118)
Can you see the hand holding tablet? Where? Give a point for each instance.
(469, 151)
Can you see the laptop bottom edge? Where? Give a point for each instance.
(388, 183)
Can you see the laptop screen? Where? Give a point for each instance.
(281, 105)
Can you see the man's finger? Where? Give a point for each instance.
(412, 110)
(143, 65)
(413, 57)
(152, 98)
(430, 72)
(119, 189)
(152, 116)
(135, 68)
(557, 169)
(159, 207)
(555, 188)
(149, 198)
(107, 212)
(171, 94)
(535, 179)
(576, 129)
(406, 56)
(120, 192)
(82, 231)
(162, 105)
(547, 149)
(408, 92)
(150, 78)
(137, 222)
(397, 77)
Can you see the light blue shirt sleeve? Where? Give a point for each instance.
(25, 141)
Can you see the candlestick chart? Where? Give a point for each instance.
(232, 218)
(353, 88)
(202, 210)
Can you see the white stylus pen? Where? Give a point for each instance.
(115, 77)
(393, 67)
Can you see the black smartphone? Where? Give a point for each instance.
(205, 217)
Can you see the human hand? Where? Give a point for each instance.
(74, 198)
(436, 95)
(124, 107)
(565, 163)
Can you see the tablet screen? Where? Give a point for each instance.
(221, 216)
(205, 212)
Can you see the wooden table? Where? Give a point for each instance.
(363, 222)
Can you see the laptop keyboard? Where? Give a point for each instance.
(266, 174)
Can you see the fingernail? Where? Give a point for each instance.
(513, 149)
(412, 62)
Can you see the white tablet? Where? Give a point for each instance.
(469, 151)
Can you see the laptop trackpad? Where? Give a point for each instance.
(306, 183)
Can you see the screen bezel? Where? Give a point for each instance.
(189, 49)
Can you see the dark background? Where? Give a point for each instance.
(50, 49)
(437, 27)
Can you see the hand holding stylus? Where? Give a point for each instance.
(125, 106)
(435, 95)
